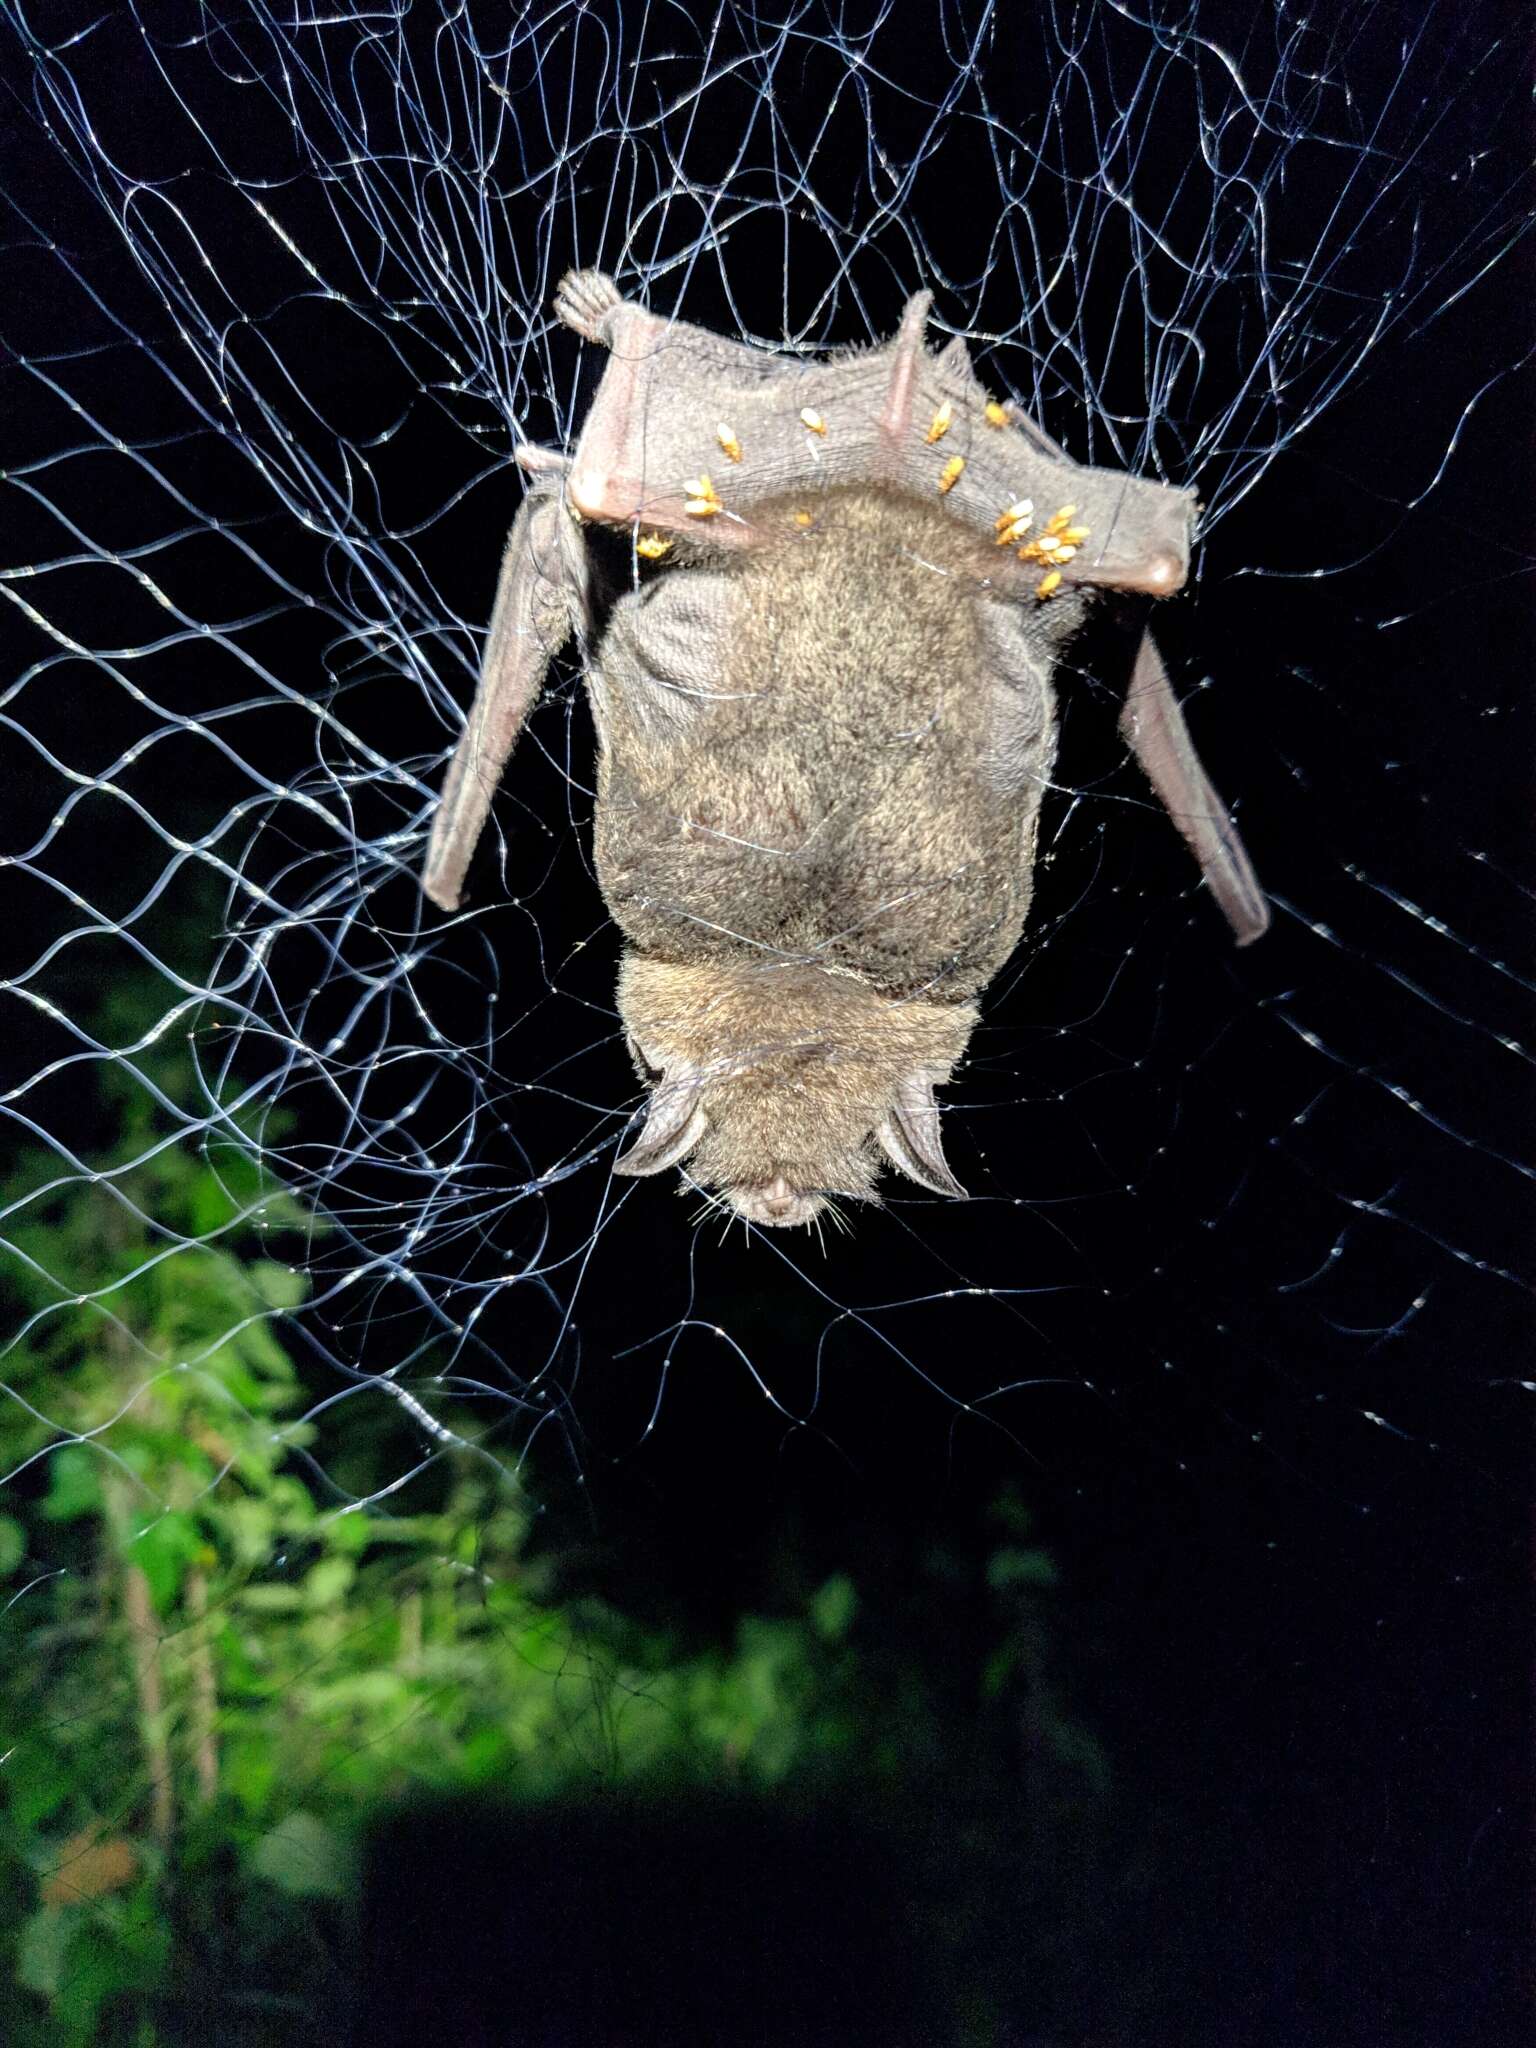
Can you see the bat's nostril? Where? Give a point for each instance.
(776, 1202)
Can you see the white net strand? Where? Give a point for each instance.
(277, 329)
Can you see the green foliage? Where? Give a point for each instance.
(210, 1674)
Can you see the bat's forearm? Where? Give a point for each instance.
(537, 600)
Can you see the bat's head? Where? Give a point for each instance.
(779, 1087)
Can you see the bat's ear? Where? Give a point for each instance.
(907, 360)
(954, 360)
(910, 1137)
(674, 1125)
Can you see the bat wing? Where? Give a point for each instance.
(1154, 727)
(539, 598)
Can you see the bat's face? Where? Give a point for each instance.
(778, 1130)
(780, 1094)
(775, 1134)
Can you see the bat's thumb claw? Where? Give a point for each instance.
(584, 299)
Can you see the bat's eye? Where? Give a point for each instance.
(652, 1073)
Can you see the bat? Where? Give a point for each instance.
(819, 606)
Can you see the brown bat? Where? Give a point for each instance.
(822, 685)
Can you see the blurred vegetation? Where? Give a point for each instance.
(215, 1667)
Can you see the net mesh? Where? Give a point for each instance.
(277, 313)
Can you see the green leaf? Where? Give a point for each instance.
(484, 1756)
(13, 1545)
(249, 1528)
(209, 1208)
(226, 1365)
(1010, 1513)
(41, 1943)
(348, 1534)
(35, 1781)
(74, 1484)
(278, 1286)
(1076, 1746)
(268, 1360)
(326, 1582)
(999, 1670)
(832, 1608)
(1019, 1568)
(270, 1599)
(162, 1550)
(103, 1962)
(358, 1692)
(293, 1499)
(304, 1858)
(249, 1770)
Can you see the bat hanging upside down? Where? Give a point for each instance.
(819, 607)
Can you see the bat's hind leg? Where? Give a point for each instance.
(584, 300)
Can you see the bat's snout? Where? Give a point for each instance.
(776, 1204)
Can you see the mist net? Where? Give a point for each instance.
(276, 315)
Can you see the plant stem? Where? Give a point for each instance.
(148, 1679)
(205, 1689)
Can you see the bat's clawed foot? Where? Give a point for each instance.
(584, 299)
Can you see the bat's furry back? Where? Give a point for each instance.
(818, 801)
(809, 757)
